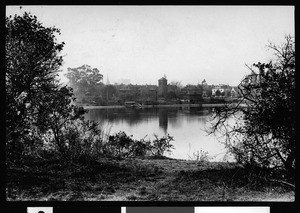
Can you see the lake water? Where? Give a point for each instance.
(187, 125)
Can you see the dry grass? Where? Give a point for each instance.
(140, 180)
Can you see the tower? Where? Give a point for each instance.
(162, 86)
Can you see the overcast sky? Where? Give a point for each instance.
(186, 43)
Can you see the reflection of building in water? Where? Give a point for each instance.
(163, 119)
(174, 118)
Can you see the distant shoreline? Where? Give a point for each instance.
(155, 106)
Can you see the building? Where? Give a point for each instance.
(162, 87)
(221, 90)
(129, 92)
(233, 93)
(215, 89)
(192, 93)
(148, 93)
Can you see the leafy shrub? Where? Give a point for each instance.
(84, 139)
(161, 145)
(121, 145)
(118, 145)
(140, 148)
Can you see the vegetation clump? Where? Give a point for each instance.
(264, 135)
(121, 145)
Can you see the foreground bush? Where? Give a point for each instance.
(121, 145)
(265, 132)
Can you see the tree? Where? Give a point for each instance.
(177, 84)
(35, 101)
(218, 93)
(84, 79)
(227, 93)
(209, 91)
(174, 89)
(32, 62)
(58, 115)
(171, 95)
(108, 92)
(264, 132)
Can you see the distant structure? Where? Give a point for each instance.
(162, 87)
(222, 90)
(233, 93)
(205, 88)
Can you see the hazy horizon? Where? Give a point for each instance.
(185, 43)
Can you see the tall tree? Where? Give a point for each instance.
(32, 62)
(264, 134)
(84, 79)
(33, 94)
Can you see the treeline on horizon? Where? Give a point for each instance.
(88, 87)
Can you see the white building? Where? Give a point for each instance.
(216, 88)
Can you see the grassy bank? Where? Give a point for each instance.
(141, 180)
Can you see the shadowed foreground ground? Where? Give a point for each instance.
(142, 180)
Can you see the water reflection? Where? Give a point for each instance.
(186, 124)
(163, 119)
